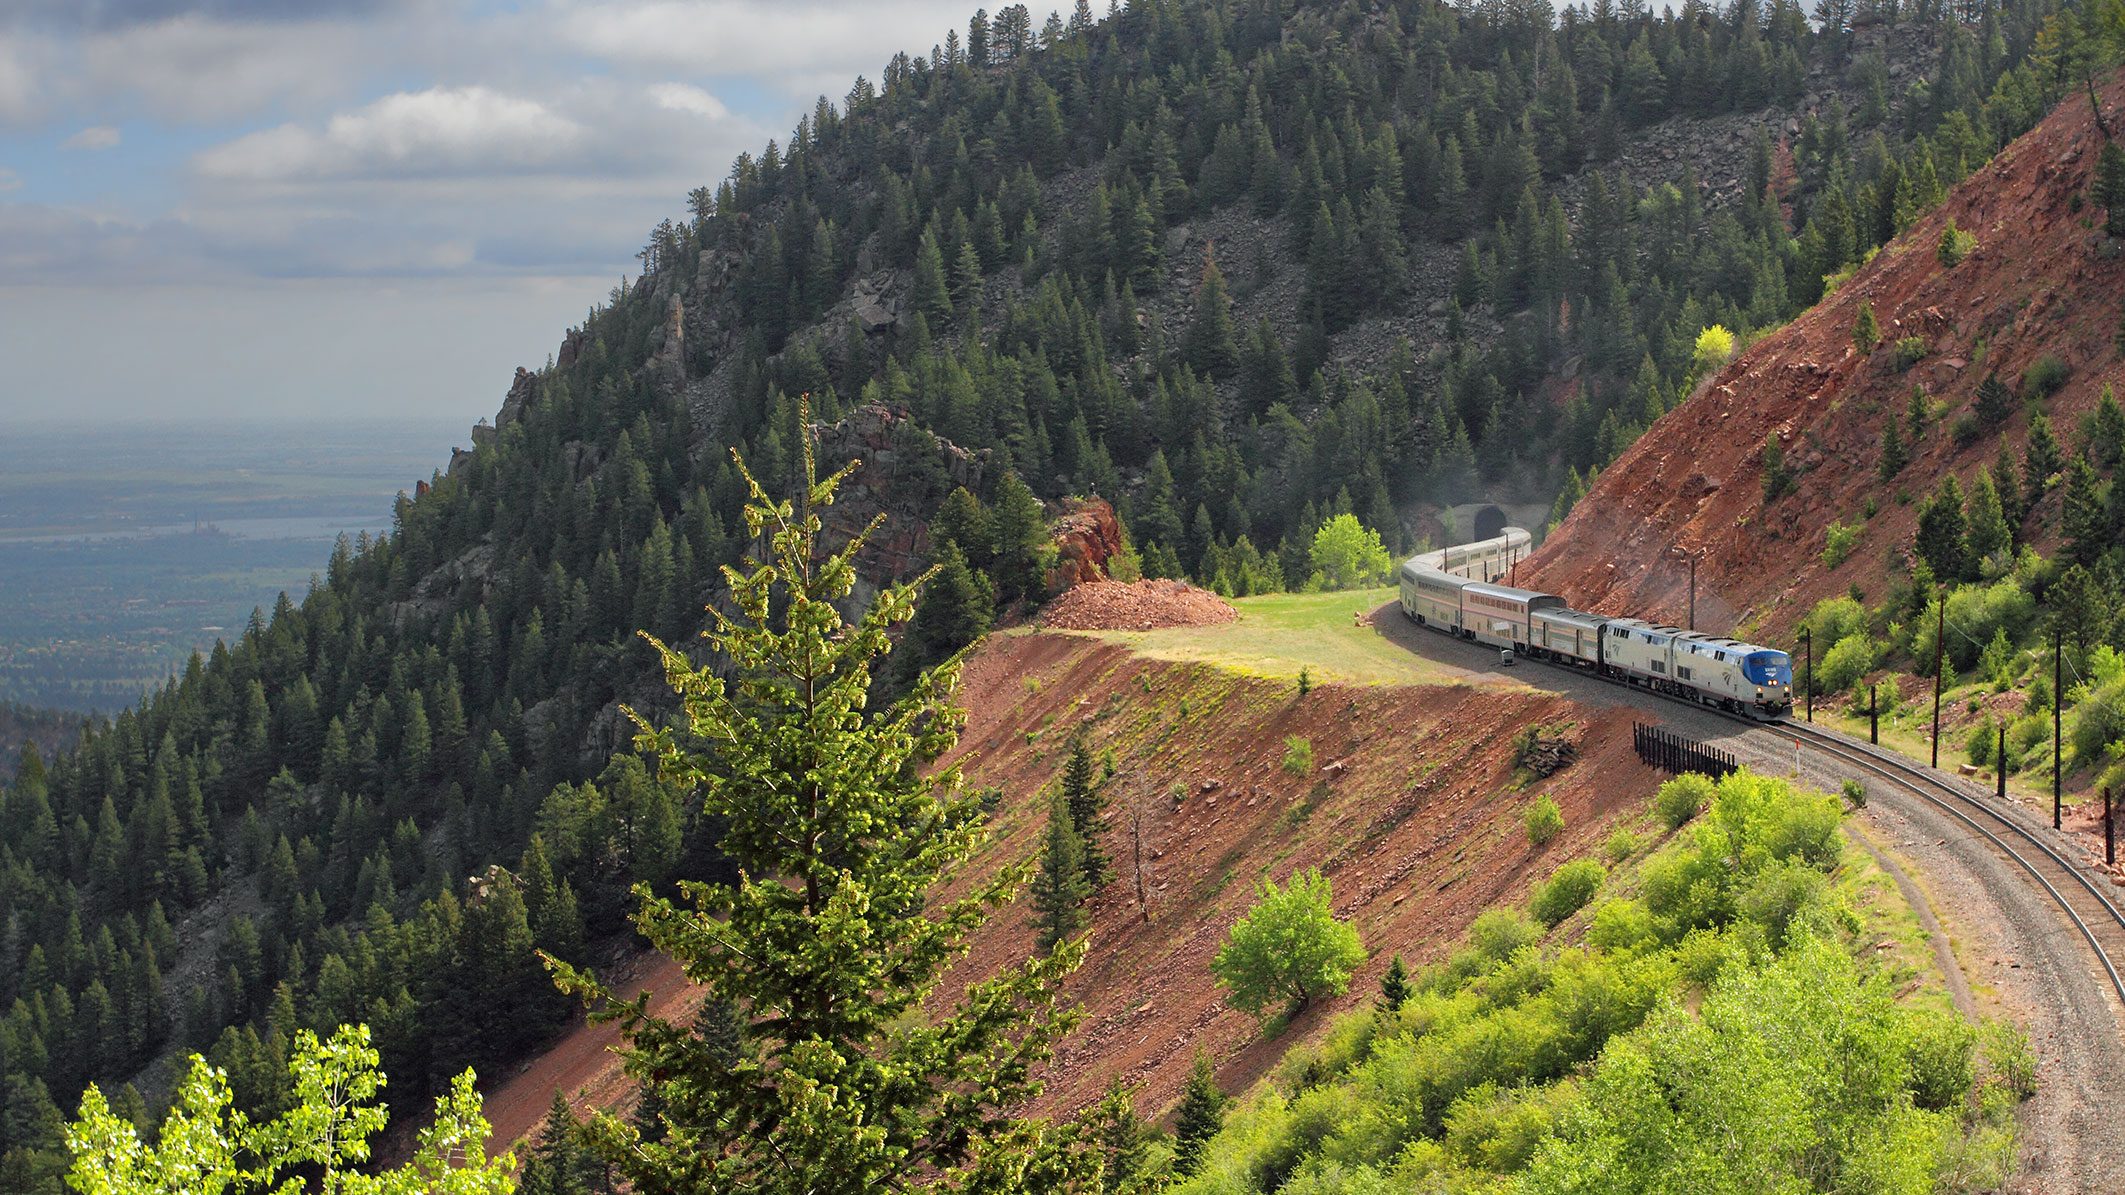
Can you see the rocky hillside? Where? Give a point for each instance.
(2034, 306)
(1410, 805)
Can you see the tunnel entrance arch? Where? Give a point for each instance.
(1488, 522)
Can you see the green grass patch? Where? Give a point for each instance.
(1280, 635)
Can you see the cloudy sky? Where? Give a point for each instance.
(373, 207)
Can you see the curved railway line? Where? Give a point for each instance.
(2099, 920)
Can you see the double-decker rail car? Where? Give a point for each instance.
(1501, 615)
(1568, 635)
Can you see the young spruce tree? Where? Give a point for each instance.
(1059, 891)
(832, 939)
(1088, 809)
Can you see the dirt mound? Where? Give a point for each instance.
(2041, 283)
(1137, 606)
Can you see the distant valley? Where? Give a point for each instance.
(124, 549)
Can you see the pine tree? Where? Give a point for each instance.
(2044, 458)
(1021, 526)
(1210, 346)
(1061, 888)
(1988, 534)
(1201, 1115)
(1995, 402)
(958, 606)
(837, 831)
(1866, 331)
(1394, 985)
(2110, 187)
(1088, 809)
(931, 297)
(2085, 522)
(1940, 542)
(1894, 454)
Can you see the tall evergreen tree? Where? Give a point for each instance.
(1088, 808)
(1060, 889)
(1210, 346)
(838, 832)
(1201, 1115)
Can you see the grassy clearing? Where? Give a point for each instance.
(1277, 635)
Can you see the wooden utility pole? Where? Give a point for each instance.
(2058, 651)
(2110, 836)
(1940, 658)
(1874, 716)
(1999, 761)
(1807, 644)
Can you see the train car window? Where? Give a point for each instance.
(1682, 672)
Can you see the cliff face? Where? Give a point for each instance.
(2043, 282)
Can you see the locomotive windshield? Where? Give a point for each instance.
(1768, 668)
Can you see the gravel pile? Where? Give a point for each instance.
(1136, 606)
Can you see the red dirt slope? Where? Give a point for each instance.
(2044, 279)
(1410, 810)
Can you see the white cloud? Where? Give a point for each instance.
(685, 97)
(197, 69)
(20, 94)
(801, 47)
(101, 136)
(440, 132)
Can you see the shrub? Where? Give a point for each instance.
(2098, 722)
(1940, 1051)
(1544, 820)
(1955, 245)
(2043, 379)
(1855, 793)
(1298, 755)
(1838, 541)
(2008, 1059)
(1621, 845)
(1778, 895)
(1834, 618)
(1620, 924)
(1910, 350)
(1498, 934)
(1847, 662)
(1288, 947)
(1966, 429)
(1567, 891)
(1679, 799)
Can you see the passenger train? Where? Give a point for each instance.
(1458, 590)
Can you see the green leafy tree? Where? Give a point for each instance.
(1348, 554)
(204, 1146)
(1060, 888)
(1289, 948)
(829, 938)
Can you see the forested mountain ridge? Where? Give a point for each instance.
(444, 701)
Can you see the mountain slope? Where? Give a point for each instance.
(2043, 282)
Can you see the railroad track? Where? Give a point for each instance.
(2080, 897)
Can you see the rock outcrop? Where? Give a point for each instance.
(1086, 537)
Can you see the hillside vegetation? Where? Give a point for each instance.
(1716, 1022)
(375, 802)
